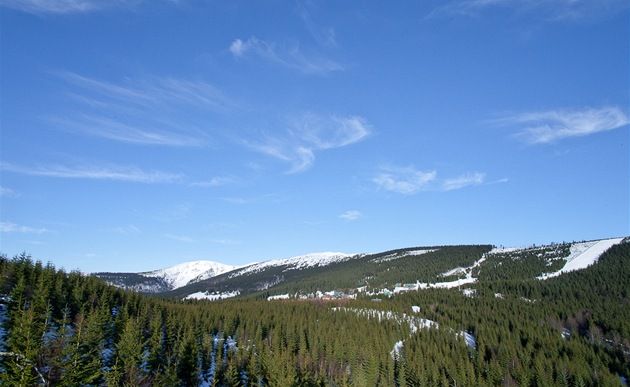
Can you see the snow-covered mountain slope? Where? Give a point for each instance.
(296, 263)
(184, 273)
(583, 255)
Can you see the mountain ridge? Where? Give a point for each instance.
(381, 273)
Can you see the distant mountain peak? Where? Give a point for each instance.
(183, 273)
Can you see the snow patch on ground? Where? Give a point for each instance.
(278, 297)
(457, 270)
(211, 296)
(501, 250)
(583, 255)
(420, 252)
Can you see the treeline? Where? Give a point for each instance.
(67, 329)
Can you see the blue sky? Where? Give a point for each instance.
(141, 134)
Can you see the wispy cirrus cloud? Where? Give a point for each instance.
(287, 56)
(557, 10)
(180, 238)
(110, 172)
(127, 230)
(9, 227)
(216, 181)
(146, 110)
(8, 193)
(139, 133)
(66, 6)
(464, 180)
(409, 180)
(351, 215)
(324, 35)
(554, 125)
(228, 242)
(405, 180)
(309, 134)
(266, 198)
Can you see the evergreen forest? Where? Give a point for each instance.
(61, 328)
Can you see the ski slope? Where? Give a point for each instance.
(583, 255)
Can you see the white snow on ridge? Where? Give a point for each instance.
(583, 255)
(500, 250)
(297, 263)
(180, 275)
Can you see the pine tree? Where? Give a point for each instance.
(130, 352)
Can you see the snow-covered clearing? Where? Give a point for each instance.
(583, 255)
(211, 296)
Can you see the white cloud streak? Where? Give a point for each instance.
(554, 125)
(549, 10)
(351, 215)
(123, 132)
(409, 180)
(118, 173)
(463, 181)
(180, 238)
(65, 6)
(291, 57)
(8, 227)
(312, 133)
(406, 180)
(146, 109)
(214, 182)
(8, 193)
(127, 230)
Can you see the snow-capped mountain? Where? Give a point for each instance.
(184, 273)
(167, 279)
(178, 276)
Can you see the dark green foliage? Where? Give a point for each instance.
(134, 281)
(69, 329)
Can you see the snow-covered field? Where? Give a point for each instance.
(583, 255)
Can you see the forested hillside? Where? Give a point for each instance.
(508, 328)
(373, 271)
